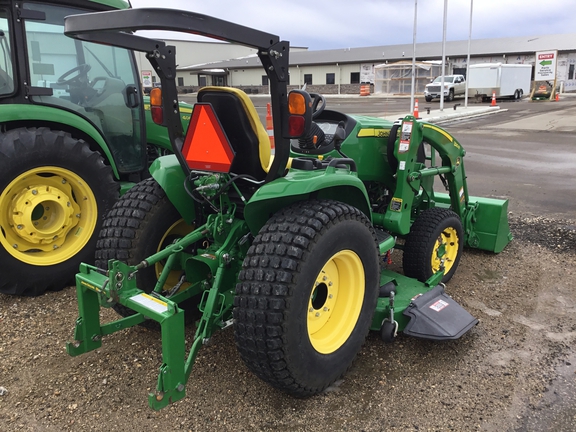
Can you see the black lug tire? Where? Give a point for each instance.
(26, 150)
(271, 303)
(421, 241)
(133, 230)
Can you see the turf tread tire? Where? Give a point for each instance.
(132, 231)
(267, 297)
(421, 239)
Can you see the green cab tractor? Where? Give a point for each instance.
(73, 137)
(289, 249)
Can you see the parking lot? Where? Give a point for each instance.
(515, 371)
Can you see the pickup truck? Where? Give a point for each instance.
(454, 85)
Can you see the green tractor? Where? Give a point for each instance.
(73, 137)
(289, 249)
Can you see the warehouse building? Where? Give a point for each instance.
(344, 70)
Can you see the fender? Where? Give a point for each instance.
(42, 114)
(167, 171)
(298, 185)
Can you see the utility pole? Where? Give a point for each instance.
(443, 56)
(468, 59)
(413, 92)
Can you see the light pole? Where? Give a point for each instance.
(468, 58)
(412, 93)
(443, 55)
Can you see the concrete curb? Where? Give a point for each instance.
(441, 117)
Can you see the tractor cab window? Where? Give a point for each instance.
(89, 79)
(6, 69)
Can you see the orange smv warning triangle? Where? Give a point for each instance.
(206, 146)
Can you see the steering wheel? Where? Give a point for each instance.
(318, 104)
(82, 70)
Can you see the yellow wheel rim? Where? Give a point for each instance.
(445, 250)
(177, 229)
(47, 215)
(335, 302)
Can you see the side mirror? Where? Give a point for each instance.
(299, 113)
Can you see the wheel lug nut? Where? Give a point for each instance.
(317, 314)
(311, 310)
(34, 192)
(325, 309)
(15, 246)
(63, 181)
(55, 247)
(19, 227)
(330, 295)
(324, 278)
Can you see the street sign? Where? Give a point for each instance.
(545, 65)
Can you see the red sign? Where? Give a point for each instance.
(545, 56)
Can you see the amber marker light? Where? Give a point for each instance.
(156, 106)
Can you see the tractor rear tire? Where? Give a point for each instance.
(54, 193)
(436, 230)
(141, 223)
(307, 293)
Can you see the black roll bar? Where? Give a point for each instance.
(116, 27)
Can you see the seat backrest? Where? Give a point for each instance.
(243, 127)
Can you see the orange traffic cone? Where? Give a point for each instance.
(557, 97)
(416, 114)
(493, 99)
(270, 129)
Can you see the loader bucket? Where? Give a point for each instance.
(486, 224)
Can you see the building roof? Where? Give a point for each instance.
(424, 51)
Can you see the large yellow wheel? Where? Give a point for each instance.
(435, 242)
(142, 222)
(307, 293)
(336, 301)
(47, 215)
(54, 193)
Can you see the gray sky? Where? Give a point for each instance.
(326, 24)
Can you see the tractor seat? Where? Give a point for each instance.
(242, 126)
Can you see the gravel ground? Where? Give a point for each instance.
(515, 371)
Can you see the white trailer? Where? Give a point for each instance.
(505, 80)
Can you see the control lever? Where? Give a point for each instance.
(339, 137)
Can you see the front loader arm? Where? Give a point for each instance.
(411, 173)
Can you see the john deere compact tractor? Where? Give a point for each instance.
(290, 249)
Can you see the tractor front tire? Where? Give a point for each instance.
(307, 293)
(54, 194)
(142, 222)
(436, 235)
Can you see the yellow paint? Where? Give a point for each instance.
(440, 131)
(373, 132)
